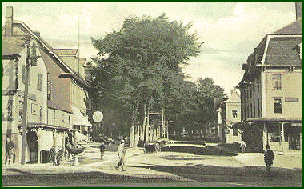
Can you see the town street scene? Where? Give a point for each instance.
(148, 94)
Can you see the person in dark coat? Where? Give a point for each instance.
(268, 158)
(9, 148)
(102, 149)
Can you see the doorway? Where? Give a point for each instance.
(32, 141)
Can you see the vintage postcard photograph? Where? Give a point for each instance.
(152, 94)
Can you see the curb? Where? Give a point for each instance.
(18, 170)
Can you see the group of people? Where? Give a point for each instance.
(121, 154)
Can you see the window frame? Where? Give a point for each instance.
(277, 81)
(277, 106)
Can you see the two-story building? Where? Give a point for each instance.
(271, 91)
(233, 116)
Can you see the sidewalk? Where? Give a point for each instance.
(106, 166)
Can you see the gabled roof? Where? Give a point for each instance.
(11, 45)
(50, 52)
(293, 28)
(283, 51)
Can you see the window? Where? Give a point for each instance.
(34, 109)
(10, 110)
(49, 90)
(40, 113)
(259, 108)
(235, 132)
(23, 74)
(234, 113)
(277, 106)
(20, 110)
(277, 81)
(39, 84)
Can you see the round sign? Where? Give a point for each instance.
(97, 116)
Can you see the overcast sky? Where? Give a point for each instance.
(230, 30)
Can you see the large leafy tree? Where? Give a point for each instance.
(208, 92)
(141, 66)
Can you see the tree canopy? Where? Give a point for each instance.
(140, 65)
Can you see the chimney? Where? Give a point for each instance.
(298, 10)
(9, 20)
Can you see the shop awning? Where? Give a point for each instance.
(79, 119)
(58, 128)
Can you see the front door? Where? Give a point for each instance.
(32, 141)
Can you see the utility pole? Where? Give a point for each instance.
(25, 96)
(31, 60)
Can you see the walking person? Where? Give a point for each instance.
(102, 149)
(121, 155)
(9, 147)
(243, 146)
(268, 158)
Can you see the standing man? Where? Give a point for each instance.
(9, 147)
(121, 155)
(102, 149)
(268, 158)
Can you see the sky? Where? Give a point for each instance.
(230, 30)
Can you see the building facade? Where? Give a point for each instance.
(271, 91)
(78, 96)
(49, 114)
(233, 116)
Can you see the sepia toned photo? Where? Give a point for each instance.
(152, 94)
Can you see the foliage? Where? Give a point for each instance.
(140, 65)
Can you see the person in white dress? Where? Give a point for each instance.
(121, 155)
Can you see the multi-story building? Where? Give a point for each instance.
(49, 113)
(271, 90)
(233, 116)
(79, 119)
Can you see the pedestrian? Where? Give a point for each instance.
(53, 155)
(243, 146)
(102, 149)
(268, 158)
(9, 147)
(121, 155)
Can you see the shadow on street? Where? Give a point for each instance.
(256, 175)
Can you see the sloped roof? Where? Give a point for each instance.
(66, 52)
(293, 28)
(11, 45)
(283, 51)
(50, 51)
